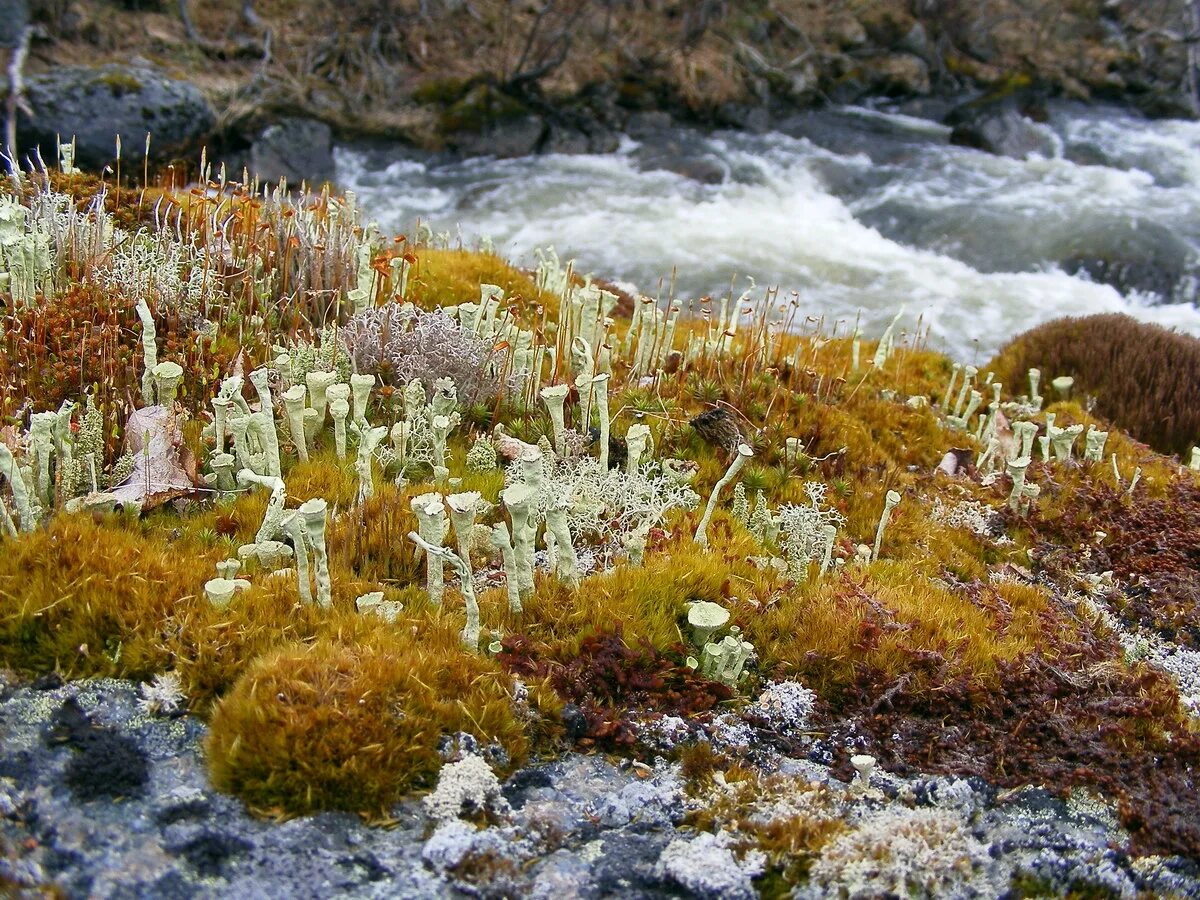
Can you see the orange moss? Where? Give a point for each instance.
(354, 725)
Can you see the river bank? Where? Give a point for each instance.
(281, 81)
(859, 210)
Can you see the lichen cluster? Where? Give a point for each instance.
(425, 493)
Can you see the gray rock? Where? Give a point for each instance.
(580, 827)
(1143, 257)
(654, 803)
(505, 139)
(295, 149)
(649, 122)
(846, 31)
(1001, 126)
(561, 139)
(562, 874)
(916, 42)
(14, 16)
(566, 139)
(673, 152)
(755, 119)
(98, 104)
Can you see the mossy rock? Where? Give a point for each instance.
(98, 104)
(479, 107)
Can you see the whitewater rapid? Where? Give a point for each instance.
(856, 211)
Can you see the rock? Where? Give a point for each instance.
(755, 119)
(887, 26)
(916, 42)
(295, 149)
(1144, 257)
(1003, 126)
(706, 867)
(1087, 153)
(654, 803)
(504, 139)
(793, 85)
(641, 124)
(575, 140)
(98, 104)
(105, 764)
(672, 152)
(897, 75)
(587, 828)
(846, 31)
(1165, 103)
(566, 140)
(14, 16)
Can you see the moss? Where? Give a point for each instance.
(354, 725)
(442, 91)
(479, 106)
(89, 599)
(447, 277)
(1146, 379)
(118, 80)
(313, 708)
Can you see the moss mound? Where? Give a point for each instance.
(1146, 379)
(338, 726)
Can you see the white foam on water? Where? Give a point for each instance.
(775, 219)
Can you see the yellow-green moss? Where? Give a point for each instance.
(354, 726)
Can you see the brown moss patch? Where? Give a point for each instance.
(1079, 717)
(1145, 378)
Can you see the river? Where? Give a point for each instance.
(856, 210)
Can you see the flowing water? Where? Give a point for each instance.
(855, 210)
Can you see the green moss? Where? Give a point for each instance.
(443, 91)
(480, 106)
(119, 81)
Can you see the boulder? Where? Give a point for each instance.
(845, 31)
(14, 16)
(96, 104)
(573, 140)
(295, 149)
(1004, 126)
(674, 152)
(1144, 257)
(504, 138)
(897, 75)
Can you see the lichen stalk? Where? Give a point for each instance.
(315, 513)
(293, 404)
(889, 503)
(739, 460)
(567, 563)
(430, 511)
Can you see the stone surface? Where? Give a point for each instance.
(578, 826)
(295, 149)
(504, 139)
(98, 104)
(897, 75)
(1002, 126)
(14, 16)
